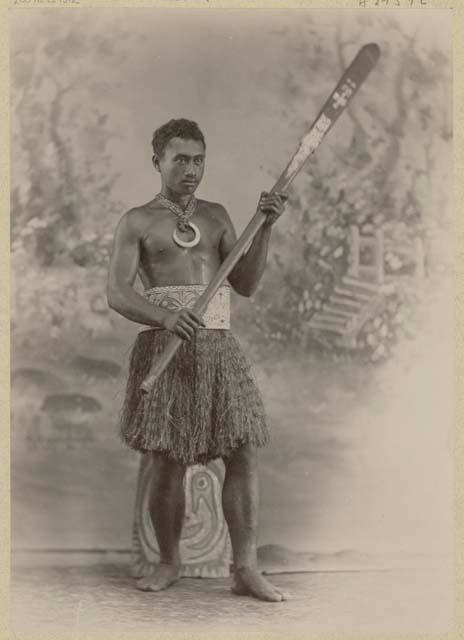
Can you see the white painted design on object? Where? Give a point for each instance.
(346, 90)
(309, 143)
(339, 100)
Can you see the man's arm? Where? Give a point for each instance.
(247, 273)
(123, 298)
(124, 263)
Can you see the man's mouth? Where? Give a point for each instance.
(191, 183)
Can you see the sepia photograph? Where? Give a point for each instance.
(232, 257)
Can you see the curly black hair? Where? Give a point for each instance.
(180, 128)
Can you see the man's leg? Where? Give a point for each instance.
(167, 508)
(240, 502)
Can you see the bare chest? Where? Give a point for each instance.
(158, 244)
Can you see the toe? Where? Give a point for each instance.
(141, 584)
(154, 587)
(251, 583)
(239, 590)
(151, 585)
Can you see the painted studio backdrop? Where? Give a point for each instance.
(350, 331)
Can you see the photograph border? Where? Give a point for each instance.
(457, 7)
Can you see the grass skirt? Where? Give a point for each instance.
(204, 405)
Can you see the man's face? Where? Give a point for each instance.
(181, 165)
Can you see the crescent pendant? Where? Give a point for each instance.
(188, 243)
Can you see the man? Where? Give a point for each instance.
(206, 404)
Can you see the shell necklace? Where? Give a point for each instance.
(183, 219)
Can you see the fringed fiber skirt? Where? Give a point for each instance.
(204, 405)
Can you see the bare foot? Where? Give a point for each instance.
(249, 582)
(162, 577)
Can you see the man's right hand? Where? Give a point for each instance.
(183, 323)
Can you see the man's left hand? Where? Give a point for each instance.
(272, 205)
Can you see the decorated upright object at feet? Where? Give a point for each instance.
(205, 544)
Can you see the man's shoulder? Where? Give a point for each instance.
(135, 217)
(215, 209)
(133, 221)
(144, 210)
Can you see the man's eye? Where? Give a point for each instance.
(198, 161)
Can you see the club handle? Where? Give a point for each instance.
(160, 364)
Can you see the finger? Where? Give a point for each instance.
(188, 322)
(272, 208)
(263, 197)
(198, 319)
(188, 334)
(272, 201)
(190, 329)
(191, 318)
(182, 333)
(268, 206)
(191, 324)
(280, 200)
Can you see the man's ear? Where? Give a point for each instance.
(155, 163)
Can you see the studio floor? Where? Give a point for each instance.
(78, 593)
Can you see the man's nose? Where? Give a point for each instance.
(190, 170)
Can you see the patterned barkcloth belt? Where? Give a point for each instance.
(176, 297)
